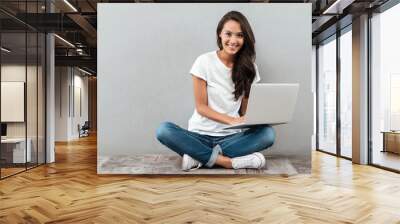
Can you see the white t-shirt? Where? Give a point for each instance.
(220, 88)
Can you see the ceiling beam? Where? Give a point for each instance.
(337, 7)
(85, 61)
(86, 26)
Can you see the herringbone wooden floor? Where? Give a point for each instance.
(70, 191)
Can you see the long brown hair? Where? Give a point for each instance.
(243, 71)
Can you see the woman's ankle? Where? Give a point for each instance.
(224, 161)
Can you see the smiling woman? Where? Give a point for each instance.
(222, 81)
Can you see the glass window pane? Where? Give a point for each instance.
(13, 86)
(31, 85)
(22, 87)
(385, 83)
(327, 97)
(31, 101)
(346, 94)
(41, 98)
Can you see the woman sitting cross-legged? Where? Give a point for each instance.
(222, 81)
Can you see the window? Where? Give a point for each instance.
(385, 89)
(346, 93)
(327, 96)
(22, 66)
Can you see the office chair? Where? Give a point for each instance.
(84, 130)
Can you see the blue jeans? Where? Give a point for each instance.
(205, 148)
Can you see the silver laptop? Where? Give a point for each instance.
(269, 103)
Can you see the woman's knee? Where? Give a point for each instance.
(268, 136)
(164, 131)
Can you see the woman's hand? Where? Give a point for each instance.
(237, 120)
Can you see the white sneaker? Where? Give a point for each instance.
(255, 161)
(188, 163)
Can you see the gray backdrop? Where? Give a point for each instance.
(145, 52)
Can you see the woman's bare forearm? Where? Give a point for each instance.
(206, 111)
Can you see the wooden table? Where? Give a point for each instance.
(14, 149)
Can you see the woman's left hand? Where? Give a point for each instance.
(238, 120)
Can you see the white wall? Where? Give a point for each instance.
(68, 80)
(61, 103)
(15, 72)
(80, 83)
